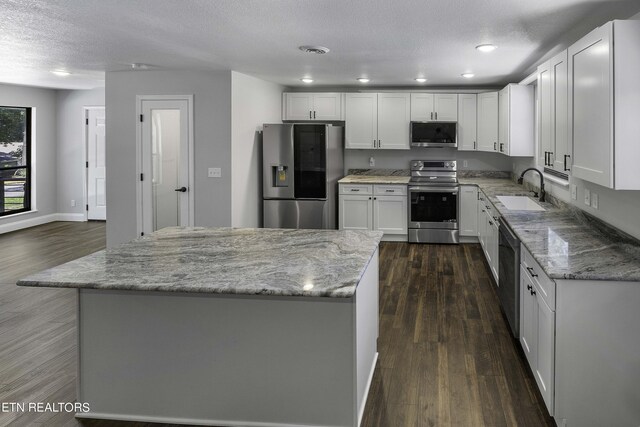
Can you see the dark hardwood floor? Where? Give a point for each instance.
(446, 356)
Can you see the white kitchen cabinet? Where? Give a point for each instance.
(427, 107)
(553, 111)
(468, 210)
(537, 325)
(377, 207)
(488, 121)
(467, 121)
(325, 106)
(393, 121)
(516, 117)
(488, 233)
(604, 107)
(377, 121)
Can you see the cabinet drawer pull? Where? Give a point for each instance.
(355, 189)
(390, 191)
(565, 162)
(531, 272)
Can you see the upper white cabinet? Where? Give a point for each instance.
(467, 121)
(604, 105)
(312, 106)
(553, 113)
(488, 121)
(377, 120)
(427, 107)
(516, 120)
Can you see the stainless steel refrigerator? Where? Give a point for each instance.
(301, 166)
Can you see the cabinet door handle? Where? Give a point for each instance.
(528, 287)
(502, 147)
(530, 270)
(432, 115)
(436, 115)
(369, 198)
(474, 145)
(314, 114)
(374, 143)
(533, 292)
(490, 223)
(379, 142)
(309, 114)
(494, 146)
(375, 198)
(565, 162)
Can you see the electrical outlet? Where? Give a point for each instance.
(465, 163)
(587, 197)
(73, 203)
(372, 161)
(214, 172)
(574, 192)
(594, 201)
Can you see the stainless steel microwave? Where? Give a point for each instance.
(434, 134)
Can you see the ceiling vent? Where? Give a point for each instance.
(319, 50)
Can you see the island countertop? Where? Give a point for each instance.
(247, 261)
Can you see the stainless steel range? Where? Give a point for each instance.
(433, 202)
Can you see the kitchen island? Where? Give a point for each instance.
(257, 327)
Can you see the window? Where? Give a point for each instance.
(15, 160)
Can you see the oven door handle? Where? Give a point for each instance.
(435, 189)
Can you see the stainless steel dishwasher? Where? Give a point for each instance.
(509, 276)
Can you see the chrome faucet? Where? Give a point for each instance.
(542, 192)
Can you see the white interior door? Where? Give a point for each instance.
(96, 171)
(166, 164)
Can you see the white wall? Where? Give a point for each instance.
(399, 159)
(253, 103)
(43, 103)
(212, 135)
(70, 135)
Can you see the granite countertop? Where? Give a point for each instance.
(567, 243)
(374, 179)
(248, 261)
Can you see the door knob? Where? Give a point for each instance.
(181, 189)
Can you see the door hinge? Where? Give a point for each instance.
(87, 207)
(86, 121)
(87, 164)
(141, 177)
(141, 117)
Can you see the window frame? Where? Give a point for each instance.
(27, 167)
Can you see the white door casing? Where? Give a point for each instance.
(158, 177)
(95, 163)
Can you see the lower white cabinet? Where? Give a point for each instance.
(468, 210)
(374, 207)
(537, 328)
(488, 233)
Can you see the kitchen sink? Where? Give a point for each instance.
(519, 203)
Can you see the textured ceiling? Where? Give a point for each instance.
(392, 42)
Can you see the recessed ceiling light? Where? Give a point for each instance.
(363, 80)
(319, 50)
(139, 66)
(467, 75)
(421, 79)
(307, 80)
(486, 47)
(61, 73)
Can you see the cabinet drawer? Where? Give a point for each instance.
(390, 190)
(364, 189)
(545, 285)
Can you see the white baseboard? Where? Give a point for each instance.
(76, 217)
(39, 220)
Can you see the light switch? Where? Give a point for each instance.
(214, 172)
(594, 201)
(587, 197)
(574, 192)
